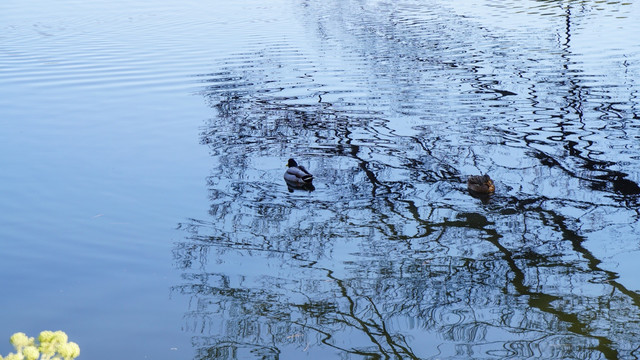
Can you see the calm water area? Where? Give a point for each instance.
(143, 209)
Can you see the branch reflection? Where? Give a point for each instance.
(389, 256)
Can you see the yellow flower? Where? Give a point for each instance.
(50, 344)
(60, 337)
(13, 356)
(49, 341)
(47, 347)
(76, 349)
(31, 352)
(69, 351)
(19, 340)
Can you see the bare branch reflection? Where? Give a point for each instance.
(390, 257)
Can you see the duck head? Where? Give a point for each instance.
(481, 184)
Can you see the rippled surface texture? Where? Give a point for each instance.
(123, 121)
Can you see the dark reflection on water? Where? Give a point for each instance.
(391, 106)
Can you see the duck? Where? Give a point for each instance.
(297, 175)
(481, 184)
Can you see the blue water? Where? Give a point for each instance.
(143, 212)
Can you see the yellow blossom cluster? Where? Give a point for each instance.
(51, 345)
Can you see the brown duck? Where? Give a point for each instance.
(481, 184)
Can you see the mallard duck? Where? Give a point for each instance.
(297, 174)
(480, 184)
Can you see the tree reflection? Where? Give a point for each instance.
(462, 275)
(389, 257)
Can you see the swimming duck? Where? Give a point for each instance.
(480, 184)
(297, 174)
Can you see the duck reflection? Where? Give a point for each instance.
(293, 186)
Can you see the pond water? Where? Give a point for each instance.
(144, 212)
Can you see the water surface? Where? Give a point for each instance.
(145, 212)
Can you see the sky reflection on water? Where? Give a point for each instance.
(391, 105)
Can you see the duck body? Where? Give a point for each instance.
(481, 184)
(297, 175)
